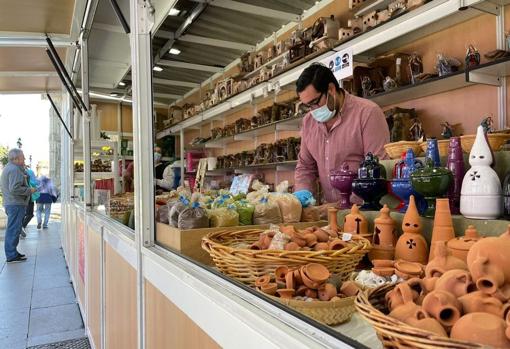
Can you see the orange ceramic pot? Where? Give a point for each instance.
(383, 271)
(443, 225)
(349, 288)
(458, 282)
(381, 252)
(322, 235)
(410, 268)
(383, 263)
(311, 293)
(430, 283)
(401, 294)
(419, 291)
(263, 280)
(269, 288)
(292, 246)
(337, 244)
(479, 302)
(428, 324)
(443, 262)
(459, 247)
(483, 328)
(408, 312)
(311, 239)
(281, 272)
(326, 292)
(289, 280)
(286, 293)
(411, 245)
(442, 306)
(332, 219)
(355, 222)
(321, 246)
(317, 272)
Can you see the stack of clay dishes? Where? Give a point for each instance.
(403, 269)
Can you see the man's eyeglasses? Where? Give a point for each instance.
(314, 104)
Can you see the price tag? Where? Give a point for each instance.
(346, 237)
(399, 61)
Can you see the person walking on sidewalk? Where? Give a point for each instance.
(16, 194)
(48, 195)
(29, 214)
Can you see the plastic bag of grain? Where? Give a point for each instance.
(176, 207)
(223, 216)
(260, 191)
(245, 210)
(311, 214)
(266, 212)
(193, 217)
(289, 205)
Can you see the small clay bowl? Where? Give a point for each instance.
(317, 272)
(307, 282)
(280, 272)
(311, 239)
(349, 288)
(337, 244)
(292, 246)
(301, 290)
(322, 235)
(409, 267)
(263, 280)
(270, 288)
(311, 293)
(326, 292)
(299, 241)
(378, 263)
(266, 242)
(286, 293)
(383, 271)
(321, 246)
(289, 280)
(257, 246)
(403, 275)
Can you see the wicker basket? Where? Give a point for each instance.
(396, 334)
(395, 150)
(227, 250)
(442, 144)
(496, 141)
(330, 313)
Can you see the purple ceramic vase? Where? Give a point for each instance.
(455, 163)
(342, 181)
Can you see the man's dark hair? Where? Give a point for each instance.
(319, 76)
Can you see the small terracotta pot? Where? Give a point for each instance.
(297, 277)
(401, 294)
(483, 328)
(326, 292)
(301, 242)
(269, 288)
(430, 283)
(337, 244)
(406, 312)
(443, 306)
(321, 246)
(266, 242)
(286, 293)
(322, 235)
(263, 280)
(479, 302)
(256, 246)
(311, 293)
(403, 276)
(301, 290)
(317, 272)
(419, 290)
(428, 324)
(281, 272)
(409, 268)
(383, 263)
(349, 288)
(292, 246)
(379, 252)
(457, 282)
(311, 239)
(383, 271)
(443, 262)
(289, 280)
(307, 281)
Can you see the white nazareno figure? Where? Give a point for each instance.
(481, 194)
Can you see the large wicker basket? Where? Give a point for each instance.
(330, 313)
(396, 334)
(229, 253)
(395, 149)
(496, 141)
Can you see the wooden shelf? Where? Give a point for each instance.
(371, 5)
(489, 73)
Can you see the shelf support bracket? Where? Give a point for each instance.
(482, 6)
(485, 79)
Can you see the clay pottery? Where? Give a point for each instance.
(488, 261)
(290, 230)
(478, 301)
(385, 236)
(443, 262)
(285, 293)
(383, 271)
(481, 194)
(322, 235)
(297, 277)
(332, 219)
(408, 312)
(411, 245)
(458, 282)
(355, 222)
(321, 246)
(308, 282)
(266, 241)
(443, 306)
(337, 244)
(342, 180)
(281, 272)
(409, 268)
(459, 247)
(455, 163)
(431, 182)
(433, 152)
(269, 288)
(263, 280)
(418, 287)
(292, 246)
(443, 225)
(311, 239)
(381, 252)
(403, 276)
(371, 183)
(301, 242)
(317, 272)
(311, 293)
(383, 263)
(428, 324)
(429, 283)
(256, 246)
(349, 288)
(401, 294)
(484, 328)
(326, 292)
(301, 290)
(289, 280)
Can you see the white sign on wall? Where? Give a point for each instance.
(340, 63)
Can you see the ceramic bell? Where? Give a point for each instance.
(443, 225)
(459, 247)
(341, 180)
(384, 238)
(455, 163)
(356, 223)
(411, 245)
(371, 183)
(481, 195)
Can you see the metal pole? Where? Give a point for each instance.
(58, 114)
(62, 79)
(86, 121)
(181, 142)
(502, 90)
(142, 21)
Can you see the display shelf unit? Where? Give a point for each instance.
(95, 175)
(371, 5)
(489, 73)
(277, 166)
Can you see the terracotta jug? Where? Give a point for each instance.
(349, 288)
(459, 247)
(429, 283)
(332, 219)
(443, 262)
(478, 301)
(483, 328)
(488, 261)
(443, 225)
(428, 324)
(401, 294)
(419, 290)
(457, 281)
(442, 306)
(408, 312)
(355, 222)
(411, 245)
(385, 236)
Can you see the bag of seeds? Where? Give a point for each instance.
(290, 207)
(245, 211)
(194, 217)
(266, 212)
(224, 217)
(176, 207)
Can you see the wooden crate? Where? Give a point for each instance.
(188, 242)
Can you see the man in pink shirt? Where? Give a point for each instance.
(339, 128)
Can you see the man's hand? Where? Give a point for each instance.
(33, 190)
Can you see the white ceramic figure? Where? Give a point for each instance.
(481, 194)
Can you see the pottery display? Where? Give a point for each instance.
(385, 236)
(400, 295)
(456, 281)
(459, 247)
(481, 302)
(481, 195)
(431, 182)
(483, 328)
(430, 325)
(488, 261)
(455, 163)
(356, 223)
(408, 312)
(411, 245)
(432, 152)
(371, 183)
(443, 225)
(443, 306)
(506, 196)
(332, 219)
(443, 262)
(342, 180)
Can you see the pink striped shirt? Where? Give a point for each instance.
(361, 128)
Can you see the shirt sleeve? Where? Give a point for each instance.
(375, 133)
(168, 178)
(306, 170)
(17, 184)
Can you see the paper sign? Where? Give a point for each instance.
(340, 64)
(346, 237)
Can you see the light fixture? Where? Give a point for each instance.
(122, 83)
(174, 51)
(156, 68)
(174, 12)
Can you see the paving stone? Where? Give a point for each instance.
(51, 320)
(52, 297)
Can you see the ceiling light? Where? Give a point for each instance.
(174, 51)
(156, 68)
(122, 83)
(174, 12)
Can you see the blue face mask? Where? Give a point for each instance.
(157, 157)
(323, 114)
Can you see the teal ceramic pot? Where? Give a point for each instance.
(431, 182)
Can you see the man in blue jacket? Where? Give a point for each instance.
(16, 194)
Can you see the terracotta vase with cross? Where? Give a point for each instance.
(411, 245)
(356, 223)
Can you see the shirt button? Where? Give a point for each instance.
(327, 140)
(327, 158)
